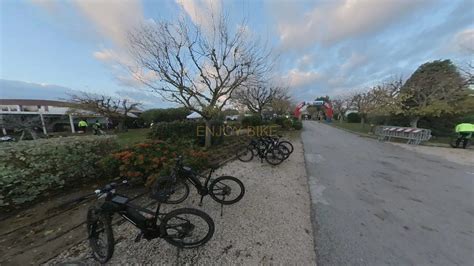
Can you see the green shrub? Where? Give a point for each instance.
(252, 121)
(30, 169)
(149, 160)
(287, 123)
(298, 125)
(186, 130)
(165, 115)
(353, 118)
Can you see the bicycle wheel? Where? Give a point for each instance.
(454, 143)
(285, 151)
(245, 155)
(187, 228)
(101, 237)
(275, 156)
(169, 190)
(226, 190)
(288, 145)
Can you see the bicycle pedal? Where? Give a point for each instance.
(139, 237)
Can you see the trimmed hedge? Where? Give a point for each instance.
(252, 121)
(353, 118)
(30, 169)
(186, 130)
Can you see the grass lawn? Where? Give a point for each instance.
(357, 127)
(132, 136)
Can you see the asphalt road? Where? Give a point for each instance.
(376, 203)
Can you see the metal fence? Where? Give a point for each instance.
(413, 135)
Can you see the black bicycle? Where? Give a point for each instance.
(268, 148)
(184, 228)
(465, 140)
(225, 190)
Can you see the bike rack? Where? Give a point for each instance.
(414, 135)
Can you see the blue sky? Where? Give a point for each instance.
(324, 47)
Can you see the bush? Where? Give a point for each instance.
(186, 130)
(252, 121)
(30, 169)
(353, 118)
(165, 115)
(287, 123)
(298, 125)
(149, 160)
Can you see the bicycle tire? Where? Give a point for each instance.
(288, 145)
(274, 156)
(175, 188)
(166, 226)
(94, 218)
(241, 155)
(223, 201)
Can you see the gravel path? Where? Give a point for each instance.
(271, 224)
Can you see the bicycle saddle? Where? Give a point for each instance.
(214, 166)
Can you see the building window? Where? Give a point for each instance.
(30, 108)
(13, 109)
(4, 107)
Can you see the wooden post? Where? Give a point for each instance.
(71, 122)
(42, 124)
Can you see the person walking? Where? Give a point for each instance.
(96, 128)
(464, 131)
(82, 126)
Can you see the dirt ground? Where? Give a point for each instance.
(270, 225)
(461, 156)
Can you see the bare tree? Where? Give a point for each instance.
(23, 124)
(257, 98)
(340, 106)
(107, 106)
(195, 68)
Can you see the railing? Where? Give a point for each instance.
(413, 135)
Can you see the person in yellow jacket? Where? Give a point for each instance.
(464, 131)
(82, 125)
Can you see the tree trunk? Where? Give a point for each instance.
(121, 126)
(208, 136)
(414, 121)
(362, 120)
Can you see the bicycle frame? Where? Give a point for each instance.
(193, 177)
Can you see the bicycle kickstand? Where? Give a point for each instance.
(222, 207)
(200, 202)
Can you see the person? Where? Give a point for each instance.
(82, 125)
(464, 131)
(96, 127)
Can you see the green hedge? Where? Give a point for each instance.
(252, 121)
(30, 169)
(353, 118)
(186, 130)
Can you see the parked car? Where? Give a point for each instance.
(232, 117)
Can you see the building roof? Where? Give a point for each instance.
(34, 102)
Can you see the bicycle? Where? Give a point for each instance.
(265, 148)
(219, 189)
(174, 227)
(464, 139)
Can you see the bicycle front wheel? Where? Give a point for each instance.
(100, 234)
(275, 156)
(287, 144)
(187, 228)
(226, 190)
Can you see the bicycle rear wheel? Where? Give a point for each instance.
(245, 155)
(275, 156)
(101, 237)
(187, 228)
(226, 190)
(288, 145)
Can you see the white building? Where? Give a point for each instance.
(54, 115)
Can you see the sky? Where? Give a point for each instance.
(51, 48)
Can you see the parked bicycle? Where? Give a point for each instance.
(184, 228)
(268, 148)
(225, 190)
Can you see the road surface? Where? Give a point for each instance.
(376, 203)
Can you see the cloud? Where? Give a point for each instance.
(355, 60)
(297, 78)
(12, 89)
(464, 40)
(332, 21)
(113, 19)
(203, 13)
